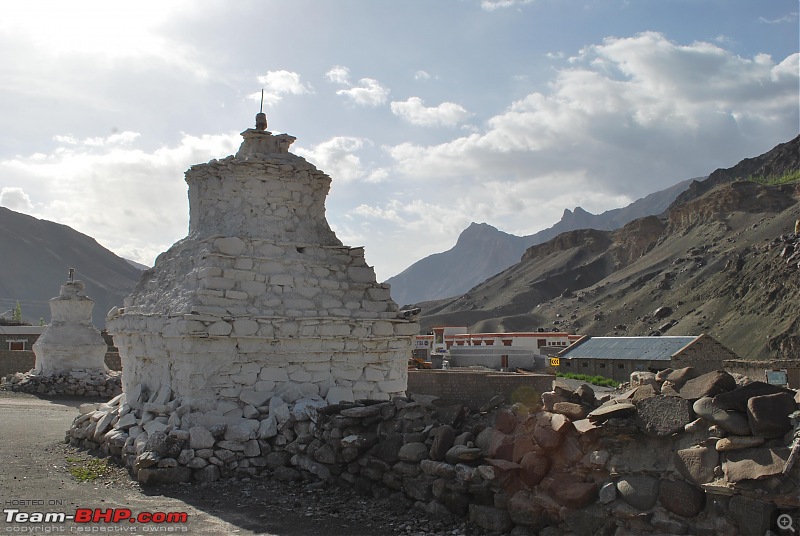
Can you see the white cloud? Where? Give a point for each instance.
(791, 17)
(421, 75)
(338, 75)
(132, 201)
(369, 92)
(491, 5)
(279, 83)
(16, 199)
(621, 113)
(415, 112)
(337, 157)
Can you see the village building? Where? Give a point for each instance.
(618, 357)
(498, 351)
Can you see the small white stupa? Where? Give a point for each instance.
(70, 342)
(70, 353)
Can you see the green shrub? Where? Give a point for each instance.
(594, 380)
(774, 180)
(87, 470)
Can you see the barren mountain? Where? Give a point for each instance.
(483, 251)
(36, 261)
(724, 261)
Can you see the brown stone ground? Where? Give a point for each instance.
(35, 476)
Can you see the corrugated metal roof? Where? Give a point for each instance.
(644, 348)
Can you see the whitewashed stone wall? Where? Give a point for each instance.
(261, 298)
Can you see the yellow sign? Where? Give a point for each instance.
(554, 362)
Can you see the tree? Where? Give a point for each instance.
(17, 317)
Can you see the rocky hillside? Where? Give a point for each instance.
(36, 260)
(724, 261)
(483, 251)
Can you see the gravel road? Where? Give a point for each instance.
(35, 476)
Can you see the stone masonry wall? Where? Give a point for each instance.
(261, 299)
(677, 454)
(476, 388)
(705, 354)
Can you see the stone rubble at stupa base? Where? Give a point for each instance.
(70, 353)
(256, 318)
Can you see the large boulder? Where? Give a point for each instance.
(709, 384)
(769, 414)
(662, 416)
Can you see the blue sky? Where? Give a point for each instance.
(427, 115)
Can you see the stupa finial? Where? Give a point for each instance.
(261, 117)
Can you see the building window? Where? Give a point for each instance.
(621, 366)
(569, 364)
(541, 342)
(602, 365)
(585, 365)
(17, 345)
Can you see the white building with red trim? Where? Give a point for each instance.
(492, 350)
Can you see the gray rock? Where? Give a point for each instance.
(576, 495)
(640, 491)
(200, 438)
(388, 449)
(738, 442)
(535, 467)
(209, 473)
(697, 464)
(570, 409)
(612, 411)
(170, 475)
(443, 439)
(462, 453)
(546, 437)
(662, 416)
(681, 498)
(731, 421)
(768, 415)
(752, 516)
(755, 464)
(737, 399)
(523, 511)
(360, 412)
(413, 452)
(709, 384)
(252, 448)
(490, 518)
(608, 493)
(418, 488)
(678, 377)
(157, 443)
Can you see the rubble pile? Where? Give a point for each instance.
(678, 453)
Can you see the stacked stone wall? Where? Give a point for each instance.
(476, 388)
(677, 454)
(704, 354)
(261, 298)
(756, 369)
(12, 361)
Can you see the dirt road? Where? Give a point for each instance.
(35, 477)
